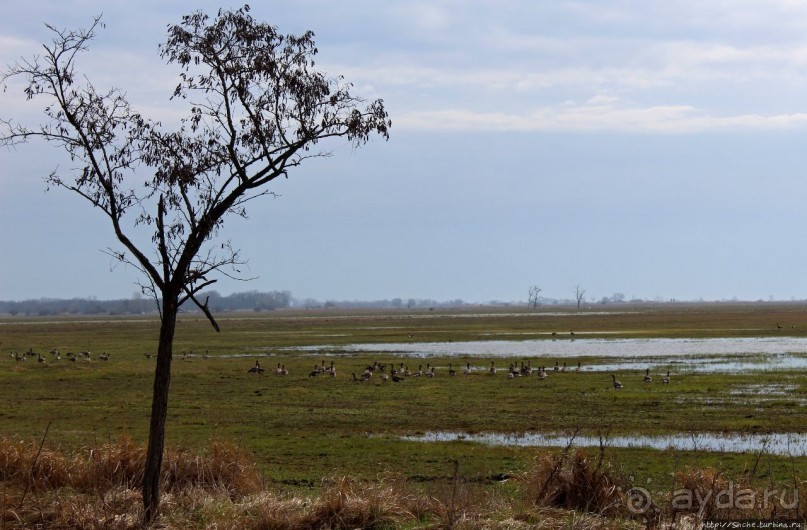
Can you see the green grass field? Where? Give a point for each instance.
(300, 429)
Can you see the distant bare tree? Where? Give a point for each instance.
(257, 108)
(579, 294)
(534, 296)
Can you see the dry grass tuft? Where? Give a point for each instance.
(350, 504)
(709, 494)
(571, 480)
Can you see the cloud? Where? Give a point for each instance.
(670, 119)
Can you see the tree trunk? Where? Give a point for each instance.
(159, 410)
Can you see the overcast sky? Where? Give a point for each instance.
(651, 148)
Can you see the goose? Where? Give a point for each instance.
(542, 372)
(647, 378)
(256, 369)
(617, 384)
(467, 370)
(492, 369)
(384, 378)
(430, 372)
(557, 368)
(526, 370)
(666, 379)
(366, 375)
(451, 370)
(511, 375)
(564, 367)
(397, 378)
(40, 359)
(579, 368)
(104, 356)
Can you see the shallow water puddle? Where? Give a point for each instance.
(788, 444)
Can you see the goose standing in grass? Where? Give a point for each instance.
(666, 379)
(451, 370)
(256, 369)
(542, 372)
(617, 384)
(647, 378)
(492, 369)
(331, 370)
(579, 368)
(467, 370)
(557, 368)
(397, 378)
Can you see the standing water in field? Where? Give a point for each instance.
(710, 355)
(788, 444)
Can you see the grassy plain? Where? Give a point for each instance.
(300, 429)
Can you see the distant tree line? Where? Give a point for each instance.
(248, 301)
(393, 303)
(245, 301)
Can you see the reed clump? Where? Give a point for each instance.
(571, 480)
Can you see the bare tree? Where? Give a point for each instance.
(257, 108)
(534, 296)
(579, 294)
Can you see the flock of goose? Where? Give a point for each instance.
(400, 372)
(384, 372)
(85, 356)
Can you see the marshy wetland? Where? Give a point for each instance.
(734, 401)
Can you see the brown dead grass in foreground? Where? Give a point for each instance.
(99, 489)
